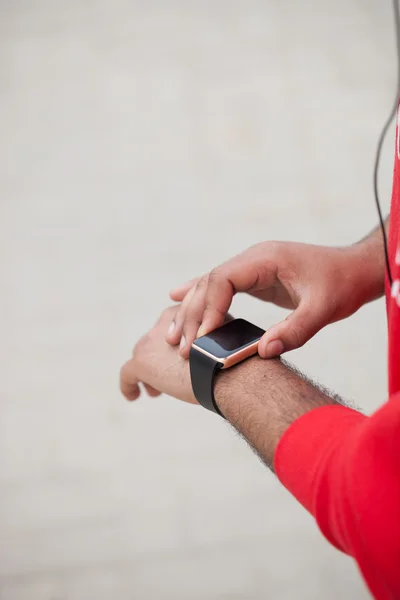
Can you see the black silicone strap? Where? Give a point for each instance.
(202, 371)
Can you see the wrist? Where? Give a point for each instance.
(362, 277)
(368, 266)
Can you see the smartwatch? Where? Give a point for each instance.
(220, 349)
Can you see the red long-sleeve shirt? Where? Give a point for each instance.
(344, 467)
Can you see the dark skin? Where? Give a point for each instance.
(319, 284)
(249, 395)
(261, 398)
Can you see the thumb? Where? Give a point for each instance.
(240, 274)
(301, 325)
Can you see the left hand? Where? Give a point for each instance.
(157, 365)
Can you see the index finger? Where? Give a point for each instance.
(241, 274)
(218, 299)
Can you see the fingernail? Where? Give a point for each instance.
(274, 348)
(183, 343)
(171, 328)
(201, 331)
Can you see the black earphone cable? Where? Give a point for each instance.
(383, 136)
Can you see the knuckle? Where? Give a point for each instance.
(217, 280)
(215, 275)
(211, 309)
(190, 316)
(299, 334)
(192, 323)
(257, 249)
(265, 272)
(202, 283)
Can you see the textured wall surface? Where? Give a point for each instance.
(142, 143)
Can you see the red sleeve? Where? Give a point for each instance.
(344, 468)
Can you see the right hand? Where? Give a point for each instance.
(319, 284)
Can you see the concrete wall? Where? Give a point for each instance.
(130, 133)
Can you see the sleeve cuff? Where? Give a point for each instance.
(306, 443)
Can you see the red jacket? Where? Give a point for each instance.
(344, 467)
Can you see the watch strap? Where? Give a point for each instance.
(202, 372)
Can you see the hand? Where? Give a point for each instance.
(319, 284)
(157, 365)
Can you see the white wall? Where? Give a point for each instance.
(141, 143)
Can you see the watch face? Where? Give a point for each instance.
(229, 338)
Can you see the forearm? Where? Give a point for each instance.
(262, 398)
(340, 464)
